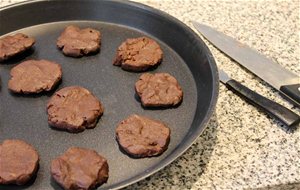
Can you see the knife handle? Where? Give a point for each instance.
(293, 91)
(278, 111)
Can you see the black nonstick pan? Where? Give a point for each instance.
(185, 56)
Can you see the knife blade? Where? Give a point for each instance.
(286, 116)
(281, 79)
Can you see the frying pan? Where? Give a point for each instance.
(186, 57)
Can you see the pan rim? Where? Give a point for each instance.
(187, 142)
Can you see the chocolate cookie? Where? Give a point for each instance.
(73, 109)
(34, 76)
(138, 54)
(79, 168)
(158, 90)
(14, 45)
(18, 162)
(76, 42)
(140, 136)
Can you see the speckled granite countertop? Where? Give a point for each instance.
(242, 148)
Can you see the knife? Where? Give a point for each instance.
(286, 116)
(281, 79)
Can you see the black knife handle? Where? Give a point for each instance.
(278, 111)
(293, 91)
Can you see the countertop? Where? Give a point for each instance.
(242, 147)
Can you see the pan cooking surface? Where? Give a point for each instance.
(26, 116)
